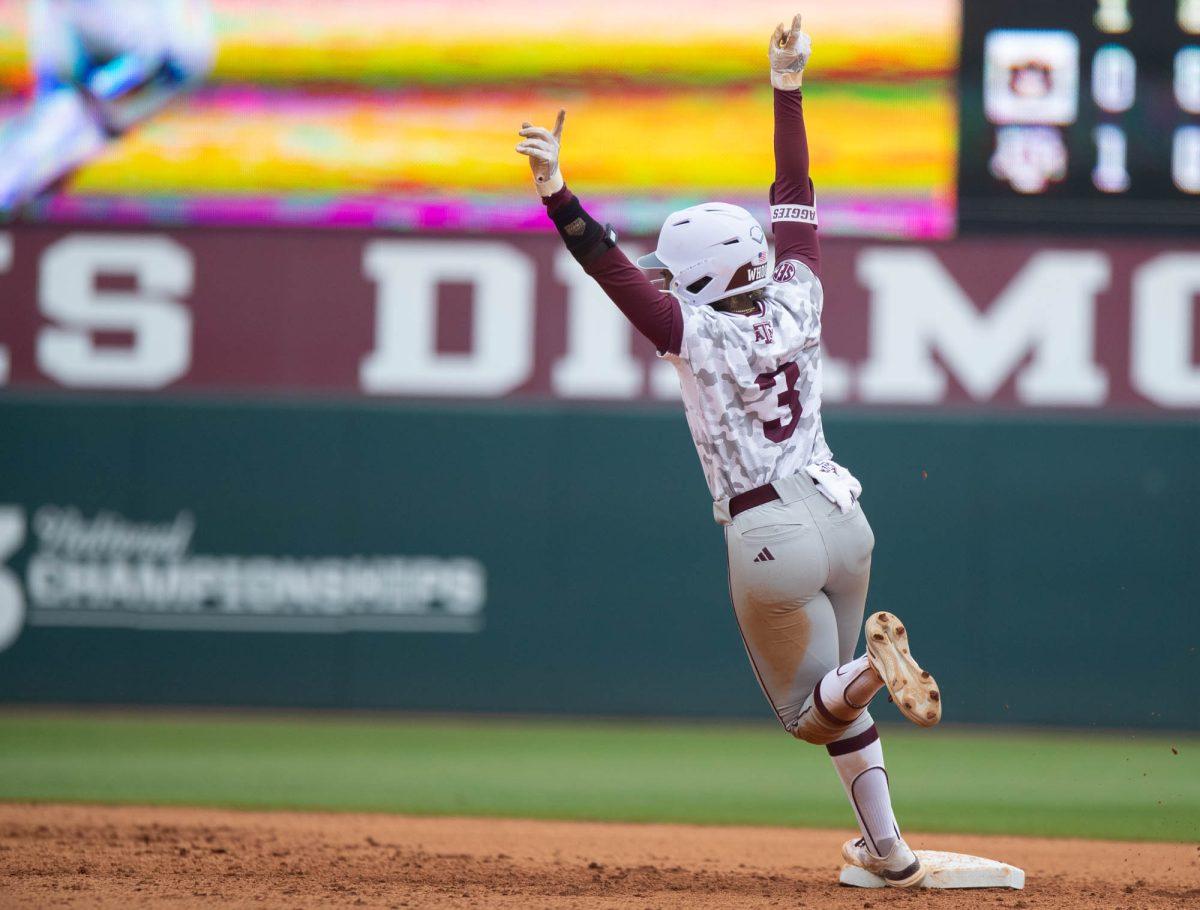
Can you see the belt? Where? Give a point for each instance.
(751, 498)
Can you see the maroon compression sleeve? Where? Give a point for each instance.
(793, 239)
(654, 313)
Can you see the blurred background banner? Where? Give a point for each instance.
(383, 114)
(302, 403)
(1079, 324)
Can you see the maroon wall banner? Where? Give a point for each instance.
(1009, 323)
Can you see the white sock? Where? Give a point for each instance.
(859, 763)
(845, 691)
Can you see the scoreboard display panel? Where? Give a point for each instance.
(1080, 115)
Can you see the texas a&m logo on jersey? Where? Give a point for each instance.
(764, 332)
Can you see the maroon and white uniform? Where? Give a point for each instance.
(798, 543)
(751, 383)
(799, 565)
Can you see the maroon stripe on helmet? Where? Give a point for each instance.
(747, 275)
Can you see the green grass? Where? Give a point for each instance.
(1061, 784)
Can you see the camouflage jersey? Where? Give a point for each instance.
(752, 384)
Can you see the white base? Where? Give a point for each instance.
(946, 870)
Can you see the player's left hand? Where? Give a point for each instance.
(542, 147)
(789, 52)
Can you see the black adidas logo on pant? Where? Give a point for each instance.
(764, 555)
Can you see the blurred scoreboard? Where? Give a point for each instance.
(1080, 115)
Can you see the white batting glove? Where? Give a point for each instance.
(541, 147)
(836, 484)
(789, 53)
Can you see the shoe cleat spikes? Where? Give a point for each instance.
(911, 688)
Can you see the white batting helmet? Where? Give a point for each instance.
(713, 251)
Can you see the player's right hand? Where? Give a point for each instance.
(789, 52)
(541, 147)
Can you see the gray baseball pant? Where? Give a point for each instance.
(798, 576)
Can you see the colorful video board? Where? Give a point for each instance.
(401, 115)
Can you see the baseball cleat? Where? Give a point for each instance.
(901, 868)
(912, 689)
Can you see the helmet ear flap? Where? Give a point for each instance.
(692, 281)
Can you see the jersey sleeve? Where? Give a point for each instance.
(793, 210)
(797, 292)
(654, 313)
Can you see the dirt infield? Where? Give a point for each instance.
(87, 856)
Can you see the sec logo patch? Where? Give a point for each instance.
(785, 271)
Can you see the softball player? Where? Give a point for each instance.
(745, 342)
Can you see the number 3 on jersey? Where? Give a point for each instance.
(779, 429)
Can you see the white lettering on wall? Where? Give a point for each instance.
(1046, 313)
(406, 361)
(835, 377)
(152, 313)
(12, 599)
(1162, 357)
(664, 381)
(599, 362)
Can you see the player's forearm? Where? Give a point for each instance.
(654, 314)
(792, 182)
(788, 54)
(585, 238)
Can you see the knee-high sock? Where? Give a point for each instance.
(859, 763)
(844, 692)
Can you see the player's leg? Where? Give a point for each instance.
(57, 132)
(43, 144)
(888, 660)
(777, 566)
(779, 559)
(846, 692)
(55, 57)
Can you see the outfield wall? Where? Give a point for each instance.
(566, 561)
(205, 500)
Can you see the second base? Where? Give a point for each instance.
(947, 870)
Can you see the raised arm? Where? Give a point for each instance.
(654, 313)
(793, 211)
